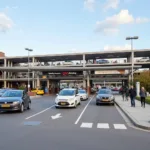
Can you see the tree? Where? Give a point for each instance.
(144, 79)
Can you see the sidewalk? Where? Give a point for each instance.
(139, 116)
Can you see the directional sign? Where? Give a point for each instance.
(56, 116)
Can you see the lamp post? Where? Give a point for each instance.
(132, 53)
(29, 50)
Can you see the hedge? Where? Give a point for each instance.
(147, 99)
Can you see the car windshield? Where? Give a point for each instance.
(67, 93)
(12, 94)
(2, 90)
(82, 91)
(104, 92)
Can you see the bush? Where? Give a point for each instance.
(147, 99)
(21, 88)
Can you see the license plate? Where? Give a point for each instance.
(105, 100)
(5, 105)
(63, 103)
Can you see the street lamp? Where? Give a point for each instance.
(132, 38)
(29, 50)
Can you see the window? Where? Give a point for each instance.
(67, 93)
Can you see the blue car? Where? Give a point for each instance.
(15, 100)
(102, 61)
(2, 91)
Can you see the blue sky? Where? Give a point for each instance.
(61, 26)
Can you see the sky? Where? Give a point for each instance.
(69, 26)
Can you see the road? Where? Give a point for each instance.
(86, 127)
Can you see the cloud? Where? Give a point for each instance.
(89, 4)
(111, 24)
(142, 20)
(125, 47)
(111, 4)
(5, 22)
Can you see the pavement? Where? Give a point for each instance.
(139, 116)
(86, 127)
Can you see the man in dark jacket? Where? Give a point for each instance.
(132, 93)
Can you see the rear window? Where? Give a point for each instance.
(82, 91)
(104, 92)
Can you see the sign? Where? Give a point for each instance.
(110, 72)
(65, 73)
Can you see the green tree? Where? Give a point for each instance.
(144, 79)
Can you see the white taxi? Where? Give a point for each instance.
(83, 94)
(67, 98)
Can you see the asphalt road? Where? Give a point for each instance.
(86, 127)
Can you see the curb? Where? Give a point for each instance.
(131, 119)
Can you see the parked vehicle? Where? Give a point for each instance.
(102, 61)
(144, 59)
(38, 91)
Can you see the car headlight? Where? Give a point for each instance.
(16, 102)
(98, 97)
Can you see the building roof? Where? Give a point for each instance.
(79, 56)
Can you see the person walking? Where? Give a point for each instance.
(123, 93)
(132, 93)
(142, 96)
(126, 93)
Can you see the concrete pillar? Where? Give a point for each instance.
(5, 65)
(8, 85)
(48, 85)
(84, 84)
(5, 84)
(38, 81)
(88, 85)
(33, 73)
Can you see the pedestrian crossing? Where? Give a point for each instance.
(103, 126)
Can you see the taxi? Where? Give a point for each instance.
(38, 91)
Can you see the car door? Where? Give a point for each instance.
(25, 99)
(77, 96)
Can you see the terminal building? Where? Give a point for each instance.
(82, 69)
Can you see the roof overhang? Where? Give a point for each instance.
(44, 68)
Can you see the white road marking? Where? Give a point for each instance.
(83, 111)
(56, 116)
(39, 112)
(120, 126)
(103, 125)
(86, 125)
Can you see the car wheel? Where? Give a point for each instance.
(79, 103)
(56, 107)
(29, 105)
(22, 108)
(113, 104)
(97, 104)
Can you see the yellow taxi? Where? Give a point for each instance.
(38, 91)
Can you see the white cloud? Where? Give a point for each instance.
(142, 20)
(125, 47)
(89, 4)
(111, 4)
(5, 22)
(111, 24)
